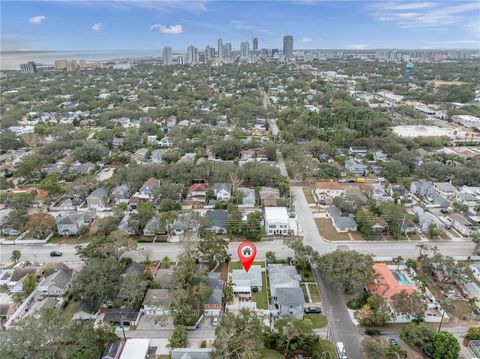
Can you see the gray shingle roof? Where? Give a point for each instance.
(290, 296)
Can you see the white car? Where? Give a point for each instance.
(215, 321)
(341, 350)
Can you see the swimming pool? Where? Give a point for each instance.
(402, 278)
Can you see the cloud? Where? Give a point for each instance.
(423, 14)
(97, 27)
(307, 39)
(37, 19)
(172, 29)
(169, 6)
(358, 46)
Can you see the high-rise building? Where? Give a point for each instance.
(288, 46)
(244, 49)
(409, 70)
(207, 53)
(167, 56)
(180, 60)
(72, 65)
(220, 49)
(192, 55)
(61, 64)
(255, 44)
(82, 64)
(29, 68)
(227, 50)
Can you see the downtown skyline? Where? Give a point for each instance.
(110, 25)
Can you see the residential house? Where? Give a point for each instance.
(463, 224)
(421, 188)
(246, 282)
(84, 311)
(475, 268)
(223, 191)
(290, 302)
(192, 353)
(186, 225)
(356, 167)
(379, 194)
(388, 283)
(425, 219)
(70, 224)
(357, 151)
(379, 156)
(269, 196)
(98, 199)
(82, 168)
(124, 225)
(113, 350)
(213, 305)
(277, 221)
(165, 142)
(133, 268)
(147, 191)
(121, 194)
(401, 193)
(56, 284)
(248, 199)
(154, 227)
(117, 142)
(467, 199)
(135, 349)
(285, 290)
(198, 192)
(445, 189)
(326, 191)
(339, 221)
(158, 156)
(117, 317)
(216, 221)
(156, 302)
(140, 155)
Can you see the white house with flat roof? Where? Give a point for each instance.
(276, 221)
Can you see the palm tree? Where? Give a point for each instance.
(165, 262)
(15, 256)
(398, 260)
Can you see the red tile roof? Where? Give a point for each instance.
(385, 284)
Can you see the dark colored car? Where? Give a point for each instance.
(56, 254)
(371, 331)
(311, 310)
(393, 342)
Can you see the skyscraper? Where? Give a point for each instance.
(244, 49)
(207, 53)
(29, 68)
(409, 68)
(220, 49)
(192, 55)
(228, 49)
(288, 46)
(255, 44)
(167, 56)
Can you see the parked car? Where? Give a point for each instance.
(393, 342)
(342, 354)
(56, 254)
(316, 310)
(215, 321)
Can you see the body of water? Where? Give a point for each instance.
(11, 60)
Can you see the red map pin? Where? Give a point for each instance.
(247, 252)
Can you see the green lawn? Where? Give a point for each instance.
(271, 354)
(317, 320)
(314, 293)
(326, 347)
(261, 297)
(238, 265)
